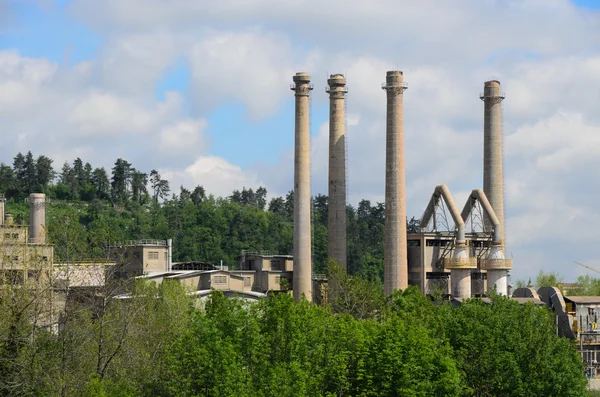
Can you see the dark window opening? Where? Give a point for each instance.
(437, 243)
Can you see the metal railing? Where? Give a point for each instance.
(129, 243)
(497, 95)
(258, 253)
(495, 264)
(460, 263)
(402, 85)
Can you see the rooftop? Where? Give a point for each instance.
(583, 299)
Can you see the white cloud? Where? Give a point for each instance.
(253, 67)
(183, 136)
(217, 175)
(108, 114)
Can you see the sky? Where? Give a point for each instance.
(199, 90)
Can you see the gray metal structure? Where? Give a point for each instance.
(395, 260)
(37, 218)
(493, 179)
(302, 278)
(460, 264)
(336, 222)
(495, 264)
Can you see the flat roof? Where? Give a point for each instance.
(583, 299)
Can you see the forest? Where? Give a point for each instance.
(91, 208)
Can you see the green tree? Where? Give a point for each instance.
(101, 183)
(121, 178)
(550, 279)
(45, 172)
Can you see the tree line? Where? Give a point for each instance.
(91, 209)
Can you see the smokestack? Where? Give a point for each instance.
(37, 218)
(395, 254)
(336, 222)
(302, 282)
(170, 255)
(493, 180)
(2, 203)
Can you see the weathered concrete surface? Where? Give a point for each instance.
(336, 222)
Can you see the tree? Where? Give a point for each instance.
(551, 279)
(504, 348)
(100, 183)
(261, 198)
(45, 172)
(160, 186)
(352, 294)
(8, 183)
(139, 180)
(30, 181)
(198, 195)
(121, 178)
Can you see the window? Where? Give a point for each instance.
(15, 236)
(437, 243)
(590, 311)
(414, 243)
(33, 274)
(276, 264)
(247, 282)
(7, 236)
(166, 256)
(251, 265)
(277, 279)
(220, 279)
(153, 255)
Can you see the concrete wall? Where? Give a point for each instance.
(15, 234)
(155, 258)
(138, 259)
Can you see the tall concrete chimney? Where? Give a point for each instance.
(336, 212)
(37, 218)
(302, 282)
(2, 203)
(493, 180)
(395, 254)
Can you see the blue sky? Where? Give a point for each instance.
(200, 90)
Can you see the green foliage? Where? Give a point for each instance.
(551, 279)
(280, 348)
(353, 295)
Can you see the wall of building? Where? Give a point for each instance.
(14, 234)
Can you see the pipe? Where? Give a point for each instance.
(2, 204)
(479, 195)
(460, 267)
(496, 265)
(170, 255)
(442, 191)
(302, 200)
(395, 258)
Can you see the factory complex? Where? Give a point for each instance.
(458, 253)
